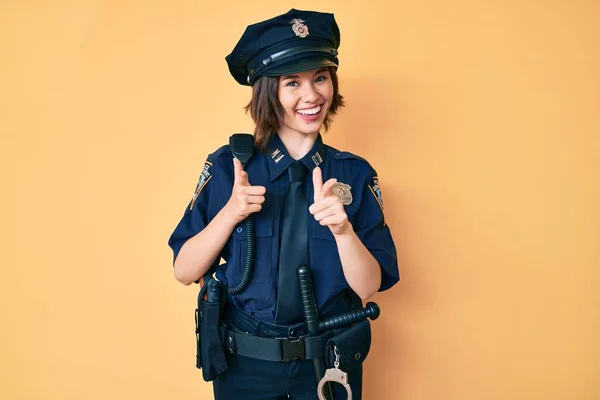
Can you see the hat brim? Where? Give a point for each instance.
(300, 65)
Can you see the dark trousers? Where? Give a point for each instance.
(253, 379)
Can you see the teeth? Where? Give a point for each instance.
(310, 111)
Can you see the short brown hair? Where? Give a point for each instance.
(267, 112)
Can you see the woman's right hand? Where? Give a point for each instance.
(245, 199)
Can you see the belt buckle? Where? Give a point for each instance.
(293, 349)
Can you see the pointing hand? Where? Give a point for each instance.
(328, 208)
(245, 199)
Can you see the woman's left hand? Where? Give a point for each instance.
(328, 209)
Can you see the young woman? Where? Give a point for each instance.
(311, 204)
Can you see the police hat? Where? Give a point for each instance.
(293, 42)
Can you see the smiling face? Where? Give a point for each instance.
(268, 113)
(305, 98)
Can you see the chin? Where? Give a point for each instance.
(309, 131)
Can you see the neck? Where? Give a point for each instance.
(297, 144)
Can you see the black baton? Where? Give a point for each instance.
(371, 311)
(311, 319)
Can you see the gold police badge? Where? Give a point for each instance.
(342, 191)
(299, 28)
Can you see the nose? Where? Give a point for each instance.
(310, 94)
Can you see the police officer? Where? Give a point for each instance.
(337, 227)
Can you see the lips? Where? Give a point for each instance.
(310, 114)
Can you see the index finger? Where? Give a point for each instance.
(317, 183)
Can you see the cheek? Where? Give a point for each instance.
(327, 93)
(287, 102)
(288, 112)
(330, 92)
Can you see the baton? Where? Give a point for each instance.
(311, 319)
(371, 311)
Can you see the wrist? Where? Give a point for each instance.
(228, 217)
(345, 231)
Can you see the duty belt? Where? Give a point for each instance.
(276, 349)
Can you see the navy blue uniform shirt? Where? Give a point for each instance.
(365, 213)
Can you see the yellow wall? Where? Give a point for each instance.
(481, 118)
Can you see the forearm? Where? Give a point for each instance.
(200, 251)
(360, 268)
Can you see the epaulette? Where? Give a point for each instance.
(344, 155)
(220, 151)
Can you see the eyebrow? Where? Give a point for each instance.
(297, 76)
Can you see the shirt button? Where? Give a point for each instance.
(239, 229)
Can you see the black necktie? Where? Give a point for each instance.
(294, 247)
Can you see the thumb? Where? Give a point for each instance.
(317, 183)
(237, 172)
(327, 188)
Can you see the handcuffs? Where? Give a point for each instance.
(334, 375)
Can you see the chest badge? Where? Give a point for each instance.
(342, 190)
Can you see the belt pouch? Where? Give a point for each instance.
(353, 345)
(212, 356)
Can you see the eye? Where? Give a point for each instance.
(292, 83)
(321, 78)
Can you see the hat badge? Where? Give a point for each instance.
(299, 28)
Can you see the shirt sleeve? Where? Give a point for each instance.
(375, 234)
(195, 216)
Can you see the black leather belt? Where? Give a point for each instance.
(276, 349)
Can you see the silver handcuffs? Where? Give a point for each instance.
(334, 375)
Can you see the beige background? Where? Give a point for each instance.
(480, 117)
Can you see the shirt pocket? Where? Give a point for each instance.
(325, 259)
(263, 251)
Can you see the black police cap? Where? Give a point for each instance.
(293, 42)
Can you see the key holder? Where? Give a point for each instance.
(335, 375)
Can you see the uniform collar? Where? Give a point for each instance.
(280, 159)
